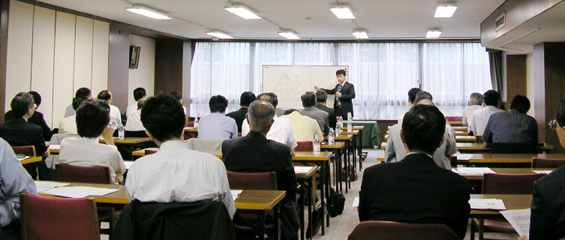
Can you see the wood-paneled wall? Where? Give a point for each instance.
(516, 78)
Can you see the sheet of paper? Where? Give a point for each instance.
(54, 147)
(487, 204)
(128, 164)
(300, 169)
(474, 170)
(355, 202)
(43, 185)
(235, 193)
(463, 157)
(23, 158)
(79, 192)
(519, 219)
(543, 171)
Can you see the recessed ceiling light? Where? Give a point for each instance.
(148, 12)
(219, 34)
(361, 34)
(445, 10)
(289, 34)
(342, 12)
(433, 34)
(242, 12)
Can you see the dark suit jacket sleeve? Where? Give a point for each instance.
(289, 176)
(39, 142)
(330, 91)
(39, 120)
(362, 211)
(541, 220)
(348, 92)
(332, 119)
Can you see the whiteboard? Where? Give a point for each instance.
(290, 82)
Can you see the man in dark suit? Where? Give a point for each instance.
(322, 97)
(416, 190)
(255, 153)
(36, 118)
(344, 94)
(239, 115)
(20, 132)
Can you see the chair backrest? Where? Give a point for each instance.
(253, 181)
(509, 183)
(454, 118)
(94, 174)
(135, 134)
(204, 144)
(513, 148)
(26, 150)
(58, 218)
(384, 230)
(547, 162)
(304, 146)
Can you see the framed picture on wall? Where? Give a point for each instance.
(134, 52)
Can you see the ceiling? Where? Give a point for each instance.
(310, 19)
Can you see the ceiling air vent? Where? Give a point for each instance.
(500, 21)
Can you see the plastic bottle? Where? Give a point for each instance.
(121, 132)
(317, 145)
(331, 137)
(338, 126)
(196, 122)
(349, 122)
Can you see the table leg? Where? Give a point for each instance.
(301, 215)
(360, 149)
(323, 196)
(309, 193)
(327, 193)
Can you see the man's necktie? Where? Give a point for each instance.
(337, 99)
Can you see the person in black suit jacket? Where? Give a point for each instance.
(416, 190)
(239, 115)
(37, 117)
(322, 97)
(255, 153)
(344, 94)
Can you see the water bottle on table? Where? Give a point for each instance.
(317, 145)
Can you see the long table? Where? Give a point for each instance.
(524, 159)
(472, 147)
(511, 201)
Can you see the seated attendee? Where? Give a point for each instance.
(548, 203)
(178, 96)
(175, 173)
(310, 110)
(513, 126)
(15, 180)
(411, 101)
(416, 190)
(239, 115)
(134, 118)
(115, 115)
(216, 125)
(281, 130)
(321, 98)
(249, 154)
(395, 150)
(138, 94)
(36, 118)
(81, 92)
(92, 122)
(479, 120)
(68, 125)
(303, 127)
(475, 103)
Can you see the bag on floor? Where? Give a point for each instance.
(336, 203)
(317, 216)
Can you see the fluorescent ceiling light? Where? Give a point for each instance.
(361, 34)
(433, 34)
(289, 35)
(219, 35)
(445, 10)
(242, 12)
(148, 12)
(342, 12)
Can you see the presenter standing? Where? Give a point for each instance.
(344, 94)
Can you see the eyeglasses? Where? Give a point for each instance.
(553, 124)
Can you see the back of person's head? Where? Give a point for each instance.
(218, 103)
(139, 93)
(560, 112)
(176, 95)
(521, 103)
(104, 95)
(412, 94)
(77, 101)
(321, 96)
(140, 103)
(36, 98)
(426, 102)
(308, 99)
(477, 98)
(84, 92)
(421, 95)
(260, 114)
(340, 72)
(21, 103)
(246, 98)
(423, 128)
(491, 98)
(163, 117)
(92, 118)
(269, 97)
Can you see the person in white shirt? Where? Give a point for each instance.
(175, 173)
(115, 115)
(134, 118)
(92, 122)
(281, 130)
(138, 94)
(480, 118)
(475, 103)
(68, 125)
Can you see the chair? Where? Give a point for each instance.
(304, 146)
(547, 162)
(205, 144)
(150, 151)
(26, 150)
(513, 148)
(384, 230)
(58, 218)
(503, 184)
(454, 118)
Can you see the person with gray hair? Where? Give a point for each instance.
(475, 103)
(309, 103)
(423, 95)
(247, 154)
